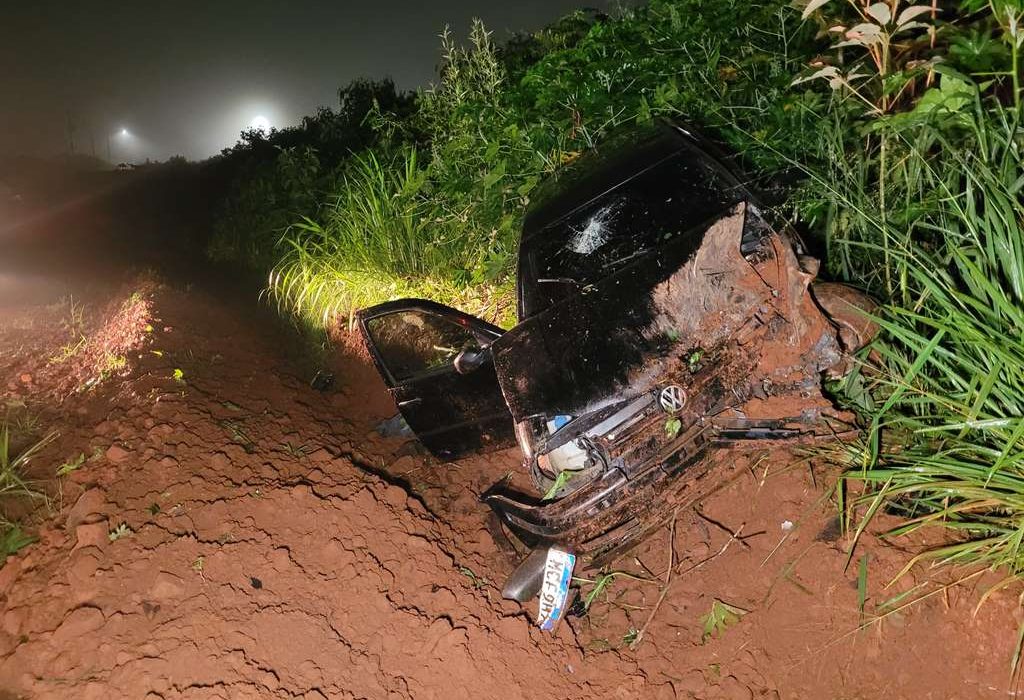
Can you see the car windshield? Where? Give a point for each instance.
(628, 222)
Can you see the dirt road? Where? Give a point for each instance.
(230, 532)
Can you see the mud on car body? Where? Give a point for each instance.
(663, 324)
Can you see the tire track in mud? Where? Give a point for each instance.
(259, 563)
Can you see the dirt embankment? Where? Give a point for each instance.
(234, 533)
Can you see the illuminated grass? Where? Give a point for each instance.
(383, 240)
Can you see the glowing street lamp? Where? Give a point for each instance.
(260, 123)
(123, 135)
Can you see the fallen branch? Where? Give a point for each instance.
(664, 589)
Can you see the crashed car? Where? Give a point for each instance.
(663, 323)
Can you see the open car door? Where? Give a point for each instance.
(437, 365)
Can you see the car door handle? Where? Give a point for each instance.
(411, 402)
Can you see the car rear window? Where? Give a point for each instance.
(630, 221)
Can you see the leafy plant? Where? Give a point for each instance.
(718, 618)
(12, 540)
(672, 427)
(119, 532)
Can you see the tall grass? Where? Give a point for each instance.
(944, 393)
(919, 197)
(15, 487)
(381, 238)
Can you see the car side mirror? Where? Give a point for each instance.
(471, 359)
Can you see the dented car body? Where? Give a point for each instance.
(663, 323)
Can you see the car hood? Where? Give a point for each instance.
(629, 332)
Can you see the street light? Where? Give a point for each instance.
(260, 123)
(123, 135)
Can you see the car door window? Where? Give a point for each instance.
(412, 342)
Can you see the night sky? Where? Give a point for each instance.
(185, 77)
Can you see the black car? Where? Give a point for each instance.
(662, 323)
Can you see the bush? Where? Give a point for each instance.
(502, 118)
(920, 202)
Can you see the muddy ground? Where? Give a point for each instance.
(224, 530)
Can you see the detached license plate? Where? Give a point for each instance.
(554, 591)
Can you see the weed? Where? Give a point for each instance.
(19, 419)
(14, 484)
(298, 452)
(12, 539)
(599, 585)
(238, 434)
(119, 532)
(12, 467)
(73, 319)
(111, 364)
(381, 238)
(672, 427)
(718, 618)
(478, 582)
(693, 360)
(178, 375)
(862, 584)
(67, 351)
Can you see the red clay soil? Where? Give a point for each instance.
(234, 533)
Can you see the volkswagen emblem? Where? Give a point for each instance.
(672, 398)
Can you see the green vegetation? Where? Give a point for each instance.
(71, 465)
(921, 204)
(425, 195)
(120, 532)
(898, 127)
(15, 487)
(720, 616)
